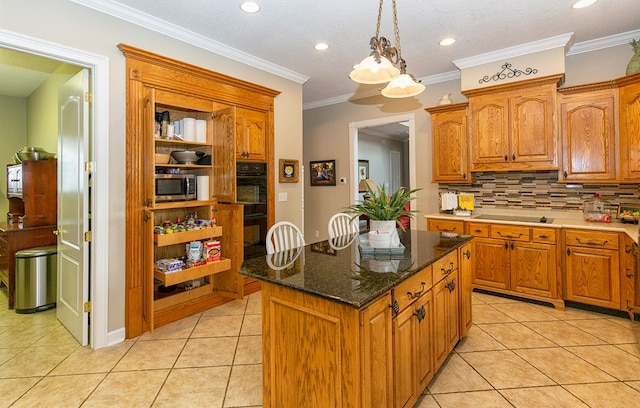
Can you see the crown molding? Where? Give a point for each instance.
(604, 42)
(563, 40)
(144, 20)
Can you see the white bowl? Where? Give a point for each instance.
(186, 156)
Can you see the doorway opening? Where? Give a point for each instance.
(98, 266)
(400, 164)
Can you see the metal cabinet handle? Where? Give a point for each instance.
(629, 273)
(395, 308)
(467, 254)
(544, 236)
(509, 235)
(603, 243)
(447, 271)
(506, 158)
(451, 286)
(417, 294)
(420, 314)
(565, 174)
(513, 157)
(445, 229)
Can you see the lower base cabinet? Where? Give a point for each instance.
(445, 311)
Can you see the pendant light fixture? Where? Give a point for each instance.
(385, 64)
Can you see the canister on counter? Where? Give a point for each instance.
(212, 250)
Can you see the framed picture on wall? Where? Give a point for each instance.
(323, 173)
(363, 169)
(288, 171)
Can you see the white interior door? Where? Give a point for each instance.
(73, 208)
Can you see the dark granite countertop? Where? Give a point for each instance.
(340, 271)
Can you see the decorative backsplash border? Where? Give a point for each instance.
(540, 190)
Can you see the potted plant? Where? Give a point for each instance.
(384, 211)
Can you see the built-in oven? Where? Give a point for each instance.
(251, 191)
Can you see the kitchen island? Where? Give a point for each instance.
(344, 325)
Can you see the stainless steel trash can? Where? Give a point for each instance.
(36, 279)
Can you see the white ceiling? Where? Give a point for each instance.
(281, 36)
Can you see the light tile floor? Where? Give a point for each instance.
(517, 354)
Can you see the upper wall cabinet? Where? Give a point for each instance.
(449, 139)
(251, 135)
(587, 117)
(629, 100)
(513, 126)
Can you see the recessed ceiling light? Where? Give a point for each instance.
(447, 41)
(321, 46)
(583, 3)
(250, 7)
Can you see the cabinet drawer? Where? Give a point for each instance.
(510, 232)
(591, 239)
(543, 235)
(412, 288)
(445, 266)
(451, 226)
(478, 229)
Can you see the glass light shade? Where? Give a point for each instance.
(371, 72)
(403, 87)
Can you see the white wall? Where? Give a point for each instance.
(66, 23)
(13, 116)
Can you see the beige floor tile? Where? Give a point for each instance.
(477, 300)
(524, 312)
(477, 340)
(24, 335)
(60, 391)
(505, 369)
(570, 313)
(426, 401)
(634, 384)
(633, 349)
(194, 387)
(448, 378)
(624, 322)
(516, 335)
(152, 354)
(251, 325)
(249, 350)
(606, 330)
(235, 307)
(8, 353)
(127, 389)
(542, 397)
(606, 395)
(35, 361)
(218, 326)
(611, 360)
(208, 352)
(562, 366)
(493, 299)
(489, 314)
(254, 303)
(563, 333)
(84, 360)
(12, 388)
(475, 399)
(245, 386)
(57, 337)
(181, 329)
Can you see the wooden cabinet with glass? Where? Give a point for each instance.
(513, 126)
(157, 84)
(450, 158)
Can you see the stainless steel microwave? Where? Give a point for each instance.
(175, 187)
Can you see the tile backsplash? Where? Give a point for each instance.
(540, 190)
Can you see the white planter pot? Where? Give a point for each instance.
(388, 227)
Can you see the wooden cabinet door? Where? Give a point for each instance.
(449, 144)
(251, 135)
(465, 273)
(533, 268)
(451, 226)
(405, 358)
(629, 95)
(532, 128)
(588, 136)
(224, 163)
(489, 128)
(445, 316)
(377, 354)
(425, 366)
(593, 276)
(492, 264)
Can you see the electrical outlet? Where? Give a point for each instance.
(282, 197)
(317, 234)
